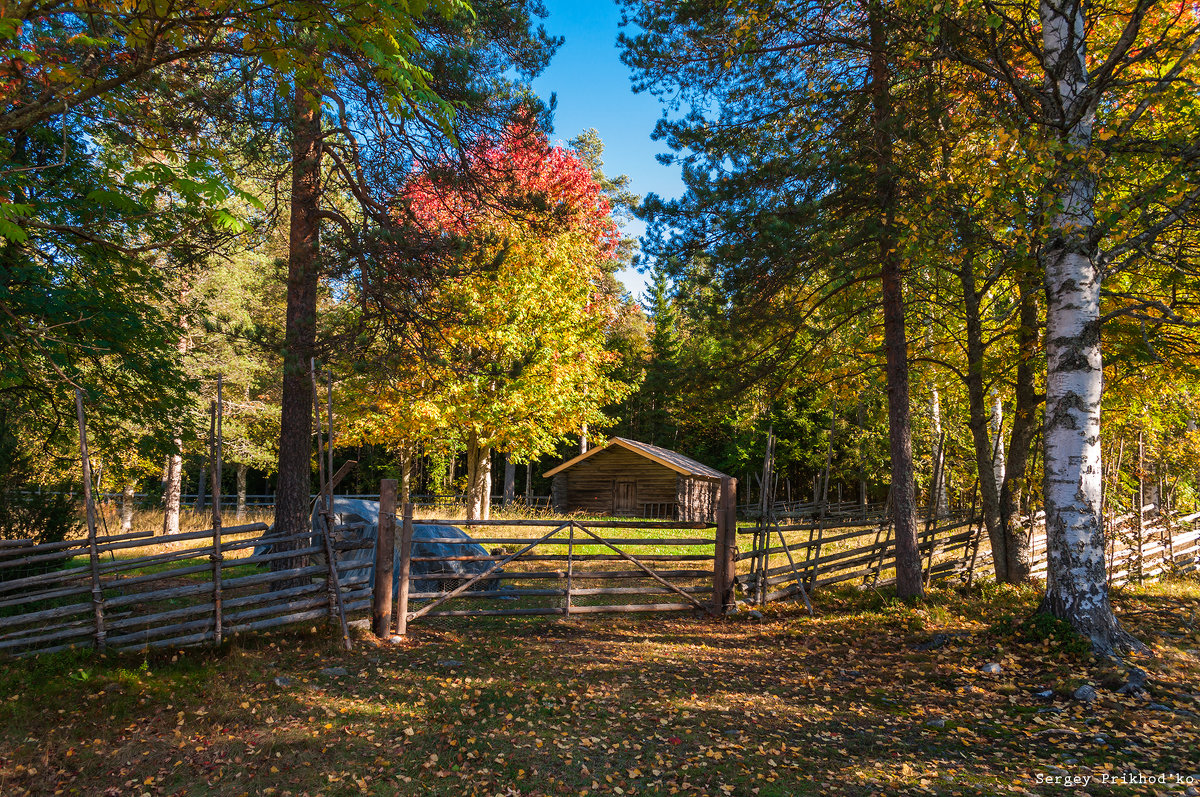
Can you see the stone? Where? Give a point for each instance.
(1158, 707)
(936, 723)
(334, 672)
(992, 668)
(1086, 693)
(283, 682)
(395, 639)
(1050, 710)
(936, 642)
(1045, 694)
(450, 663)
(755, 615)
(1136, 685)
(1191, 791)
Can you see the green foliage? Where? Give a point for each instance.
(26, 512)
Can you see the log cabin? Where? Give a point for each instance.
(627, 478)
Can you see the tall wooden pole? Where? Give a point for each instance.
(726, 546)
(90, 508)
(406, 539)
(215, 446)
(329, 443)
(385, 547)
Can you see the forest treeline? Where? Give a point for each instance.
(946, 252)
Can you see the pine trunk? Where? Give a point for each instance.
(909, 581)
(295, 437)
(1076, 584)
(1020, 446)
(198, 506)
(989, 491)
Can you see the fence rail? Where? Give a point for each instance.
(165, 596)
(1137, 548)
(133, 591)
(267, 500)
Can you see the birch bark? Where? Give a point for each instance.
(1076, 585)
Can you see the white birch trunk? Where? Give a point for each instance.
(485, 471)
(1076, 585)
(939, 455)
(128, 496)
(996, 420)
(479, 480)
(174, 488)
(241, 490)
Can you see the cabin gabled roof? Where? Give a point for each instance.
(677, 462)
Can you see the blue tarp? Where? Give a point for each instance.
(354, 511)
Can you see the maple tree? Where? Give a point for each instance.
(518, 359)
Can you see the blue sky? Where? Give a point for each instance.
(594, 90)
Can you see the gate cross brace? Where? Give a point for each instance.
(468, 584)
(649, 572)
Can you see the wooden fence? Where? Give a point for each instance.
(782, 560)
(138, 592)
(1138, 548)
(134, 592)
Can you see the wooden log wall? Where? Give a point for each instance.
(697, 498)
(588, 486)
(159, 591)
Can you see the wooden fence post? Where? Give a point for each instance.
(385, 546)
(90, 508)
(406, 538)
(724, 567)
(215, 454)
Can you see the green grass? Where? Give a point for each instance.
(839, 703)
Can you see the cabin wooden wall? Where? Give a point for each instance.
(697, 499)
(558, 493)
(588, 486)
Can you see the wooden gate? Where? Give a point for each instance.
(561, 566)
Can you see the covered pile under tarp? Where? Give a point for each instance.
(354, 512)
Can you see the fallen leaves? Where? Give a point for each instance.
(841, 703)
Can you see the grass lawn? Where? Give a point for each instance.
(843, 703)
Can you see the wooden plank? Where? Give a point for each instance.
(406, 542)
(598, 524)
(681, 541)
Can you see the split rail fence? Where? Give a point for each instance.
(788, 559)
(137, 592)
(1138, 549)
(134, 592)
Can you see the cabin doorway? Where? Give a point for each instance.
(625, 497)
